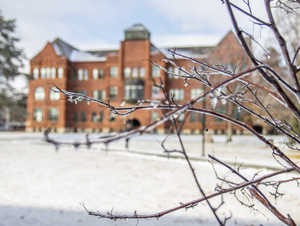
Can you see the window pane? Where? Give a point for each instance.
(154, 116)
(53, 114)
(193, 117)
(170, 69)
(113, 92)
(179, 94)
(39, 93)
(60, 72)
(142, 72)
(43, 72)
(75, 116)
(38, 115)
(94, 117)
(83, 116)
(54, 95)
(114, 71)
(53, 72)
(155, 71)
(176, 71)
(112, 117)
(48, 72)
(35, 73)
(127, 72)
(95, 73)
(134, 72)
(80, 74)
(101, 73)
(86, 74)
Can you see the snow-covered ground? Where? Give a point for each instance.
(41, 187)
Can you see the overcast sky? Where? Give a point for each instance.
(100, 24)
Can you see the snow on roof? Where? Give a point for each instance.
(137, 27)
(85, 56)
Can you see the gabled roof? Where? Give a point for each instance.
(62, 48)
(73, 54)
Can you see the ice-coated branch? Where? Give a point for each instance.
(190, 204)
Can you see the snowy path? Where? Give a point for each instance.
(40, 187)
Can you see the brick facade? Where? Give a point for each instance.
(117, 75)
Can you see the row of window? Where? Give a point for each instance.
(39, 94)
(54, 112)
(83, 74)
(131, 92)
(48, 73)
(38, 114)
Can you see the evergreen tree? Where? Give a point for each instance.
(10, 63)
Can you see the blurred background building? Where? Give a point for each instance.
(124, 74)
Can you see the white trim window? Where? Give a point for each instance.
(54, 95)
(113, 92)
(35, 73)
(95, 73)
(80, 74)
(114, 71)
(53, 114)
(38, 114)
(53, 73)
(134, 72)
(179, 94)
(196, 93)
(43, 72)
(86, 74)
(142, 72)
(127, 72)
(39, 93)
(60, 73)
(176, 71)
(155, 71)
(48, 72)
(99, 94)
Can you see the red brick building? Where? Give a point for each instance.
(124, 74)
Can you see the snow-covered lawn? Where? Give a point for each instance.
(39, 186)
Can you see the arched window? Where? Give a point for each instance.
(60, 73)
(127, 72)
(39, 93)
(53, 72)
(80, 74)
(142, 72)
(43, 72)
(95, 73)
(35, 73)
(134, 72)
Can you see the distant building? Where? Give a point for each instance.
(124, 74)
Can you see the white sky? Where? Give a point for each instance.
(100, 24)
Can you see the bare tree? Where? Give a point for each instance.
(282, 86)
